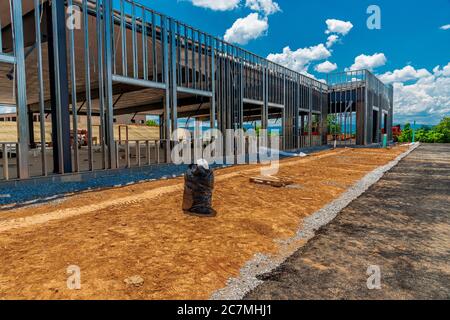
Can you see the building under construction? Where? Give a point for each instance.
(98, 60)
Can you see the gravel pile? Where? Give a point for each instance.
(237, 288)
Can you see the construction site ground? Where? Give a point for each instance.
(140, 231)
(401, 224)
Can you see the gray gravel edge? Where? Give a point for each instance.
(238, 287)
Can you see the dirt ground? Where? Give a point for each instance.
(140, 230)
(401, 224)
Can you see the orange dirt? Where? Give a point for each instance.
(140, 230)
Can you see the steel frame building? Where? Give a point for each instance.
(122, 57)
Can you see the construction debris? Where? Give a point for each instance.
(136, 281)
(277, 182)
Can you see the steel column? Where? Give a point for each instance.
(74, 95)
(109, 104)
(366, 112)
(173, 75)
(310, 115)
(21, 99)
(265, 110)
(167, 116)
(59, 87)
(37, 17)
(101, 85)
(213, 84)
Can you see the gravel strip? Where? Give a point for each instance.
(237, 288)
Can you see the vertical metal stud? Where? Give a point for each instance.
(101, 86)
(123, 31)
(88, 83)
(21, 98)
(37, 18)
(5, 161)
(144, 44)
(113, 152)
(213, 84)
(134, 41)
(173, 76)
(167, 115)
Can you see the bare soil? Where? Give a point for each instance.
(140, 231)
(401, 224)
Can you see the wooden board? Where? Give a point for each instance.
(277, 182)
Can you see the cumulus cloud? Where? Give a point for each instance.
(331, 40)
(326, 67)
(407, 73)
(427, 100)
(442, 72)
(218, 5)
(445, 27)
(245, 29)
(267, 7)
(300, 59)
(369, 62)
(338, 26)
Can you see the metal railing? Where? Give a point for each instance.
(8, 150)
(151, 151)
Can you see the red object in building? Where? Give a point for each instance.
(396, 132)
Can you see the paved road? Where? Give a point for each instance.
(401, 224)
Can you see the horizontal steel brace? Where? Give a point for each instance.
(195, 92)
(138, 82)
(252, 101)
(275, 105)
(6, 58)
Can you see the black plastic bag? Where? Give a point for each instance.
(198, 189)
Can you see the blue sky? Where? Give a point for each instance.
(413, 40)
(411, 50)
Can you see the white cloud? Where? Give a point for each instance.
(407, 73)
(245, 29)
(300, 59)
(445, 27)
(369, 62)
(444, 72)
(427, 100)
(268, 7)
(219, 5)
(331, 40)
(338, 26)
(326, 67)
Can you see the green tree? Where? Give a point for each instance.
(333, 124)
(437, 134)
(443, 128)
(152, 123)
(406, 135)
